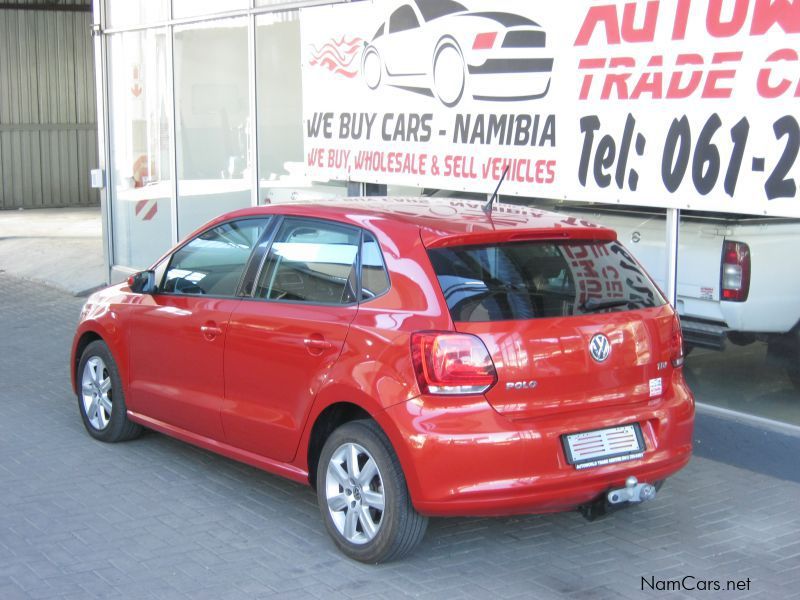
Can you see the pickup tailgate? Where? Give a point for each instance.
(699, 258)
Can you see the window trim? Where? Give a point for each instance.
(272, 233)
(238, 289)
(263, 263)
(383, 264)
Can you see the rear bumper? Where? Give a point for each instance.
(463, 458)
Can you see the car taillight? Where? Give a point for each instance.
(484, 41)
(676, 352)
(451, 363)
(735, 273)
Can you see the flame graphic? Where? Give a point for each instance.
(338, 56)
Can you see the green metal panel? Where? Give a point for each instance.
(48, 123)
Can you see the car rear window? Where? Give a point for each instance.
(531, 280)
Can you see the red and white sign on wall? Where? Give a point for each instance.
(675, 103)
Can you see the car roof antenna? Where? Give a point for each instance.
(487, 208)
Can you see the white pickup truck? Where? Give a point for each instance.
(738, 276)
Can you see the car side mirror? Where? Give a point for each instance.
(143, 282)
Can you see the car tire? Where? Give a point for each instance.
(101, 399)
(449, 73)
(363, 496)
(371, 68)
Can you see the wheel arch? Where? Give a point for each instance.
(371, 49)
(447, 38)
(90, 331)
(328, 420)
(345, 408)
(81, 342)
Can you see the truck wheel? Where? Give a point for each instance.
(783, 352)
(737, 338)
(363, 497)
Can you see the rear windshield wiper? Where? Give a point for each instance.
(593, 304)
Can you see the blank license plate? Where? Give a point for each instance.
(604, 446)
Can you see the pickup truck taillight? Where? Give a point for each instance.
(451, 363)
(735, 272)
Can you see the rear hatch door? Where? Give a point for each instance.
(570, 324)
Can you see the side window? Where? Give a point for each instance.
(310, 261)
(374, 278)
(403, 19)
(213, 262)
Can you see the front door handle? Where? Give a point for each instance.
(316, 344)
(210, 330)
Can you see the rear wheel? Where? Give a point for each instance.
(363, 497)
(101, 400)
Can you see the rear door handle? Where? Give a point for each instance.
(211, 330)
(317, 345)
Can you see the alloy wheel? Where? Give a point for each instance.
(355, 493)
(96, 393)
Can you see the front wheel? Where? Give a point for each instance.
(101, 400)
(449, 74)
(363, 496)
(371, 68)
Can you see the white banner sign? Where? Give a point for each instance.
(674, 103)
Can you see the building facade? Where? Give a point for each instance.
(202, 105)
(207, 106)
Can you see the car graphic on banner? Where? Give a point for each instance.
(439, 48)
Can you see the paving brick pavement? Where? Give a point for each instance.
(156, 518)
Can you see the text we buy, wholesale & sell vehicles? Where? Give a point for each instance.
(406, 357)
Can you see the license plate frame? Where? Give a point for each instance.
(600, 447)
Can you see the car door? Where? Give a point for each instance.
(178, 334)
(284, 340)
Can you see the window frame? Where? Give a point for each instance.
(361, 268)
(256, 267)
(659, 298)
(270, 222)
(314, 221)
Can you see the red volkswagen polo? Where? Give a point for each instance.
(405, 357)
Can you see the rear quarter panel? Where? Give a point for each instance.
(375, 370)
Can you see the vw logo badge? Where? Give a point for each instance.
(599, 347)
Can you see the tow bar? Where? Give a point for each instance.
(633, 493)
